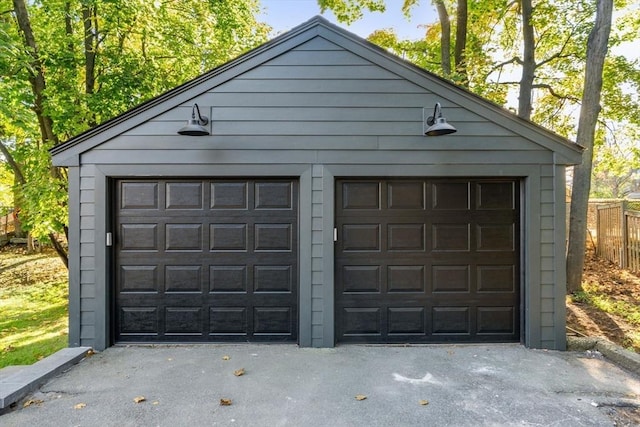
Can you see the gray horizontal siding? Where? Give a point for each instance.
(328, 72)
(318, 113)
(302, 128)
(353, 85)
(309, 157)
(547, 258)
(306, 57)
(87, 257)
(452, 142)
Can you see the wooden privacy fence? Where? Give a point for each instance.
(619, 235)
(7, 226)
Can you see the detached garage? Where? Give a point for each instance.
(305, 201)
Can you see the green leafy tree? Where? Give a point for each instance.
(351, 10)
(68, 65)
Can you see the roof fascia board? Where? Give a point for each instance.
(570, 153)
(183, 93)
(67, 161)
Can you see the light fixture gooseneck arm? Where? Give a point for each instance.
(437, 112)
(201, 119)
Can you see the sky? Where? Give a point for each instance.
(283, 15)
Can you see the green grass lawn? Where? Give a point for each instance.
(33, 307)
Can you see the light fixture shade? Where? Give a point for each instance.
(437, 125)
(195, 125)
(193, 128)
(440, 127)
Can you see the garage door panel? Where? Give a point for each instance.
(228, 237)
(451, 237)
(211, 263)
(361, 237)
(139, 195)
(451, 278)
(183, 237)
(183, 321)
(273, 278)
(406, 195)
(361, 278)
(361, 195)
(229, 195)
(406, 278)
(405, 237)
(273, 321)
(439, 271)
(228, 278)
(358, 321)
(496, 320)
(496, 278)
(139, 320)
(228, 321)
(496, 196)
(139, 278)
(450, 196)
(273, 195)
(183, 278)
(406, 321)
(273, 237)
(496, 237)
(451, 320)
(184, 195)
(139, 237)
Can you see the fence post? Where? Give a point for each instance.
(625, 236)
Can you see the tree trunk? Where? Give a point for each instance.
(445, 38)
(36, 72)
(59, 249)
(90, 44)
(461, 43)
(528, 61)
(596, 52)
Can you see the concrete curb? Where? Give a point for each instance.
(29, 378)
(618, 355)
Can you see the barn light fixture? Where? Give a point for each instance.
(195, 126)
(437, 125)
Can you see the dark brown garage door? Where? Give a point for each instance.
(427, 260)
(206, 260)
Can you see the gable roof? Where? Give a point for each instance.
(67, 154)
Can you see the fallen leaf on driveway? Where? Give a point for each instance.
(225, 402)
(239, 372)
(424, 402)
(139, 399)
(80, 406)
(32, 402)
(360, 397)
(226, 358)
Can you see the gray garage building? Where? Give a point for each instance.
(312, 208)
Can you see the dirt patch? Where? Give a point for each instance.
(19, 269)
(616, 285)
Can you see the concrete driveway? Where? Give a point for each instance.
(283, 385)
